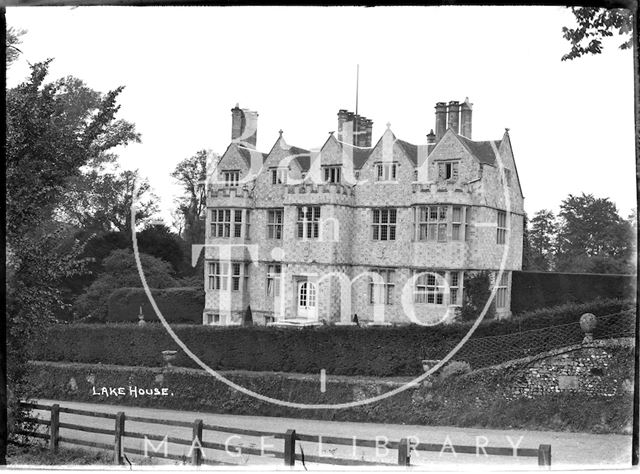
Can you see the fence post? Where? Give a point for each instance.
(118, 448)
(196, 446)
(404, 455)
(544, 455)
(290, 448)
(54, 428)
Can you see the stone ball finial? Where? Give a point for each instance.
(588, 323)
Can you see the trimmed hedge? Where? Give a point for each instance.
(532, 290)
(177, 305)
(340, 350)
(474, 400)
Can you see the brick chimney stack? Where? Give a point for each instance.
(431, 142)
(350, 123)
(453, 116)
(465, 118)
(441, 120)
(244, 126)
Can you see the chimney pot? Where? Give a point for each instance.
(244, 126)
(466, 110)
(441, 120)
(453, 116)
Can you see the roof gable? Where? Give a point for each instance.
(481, 151)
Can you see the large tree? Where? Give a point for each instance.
(595, 24)
(542, 236)
(102, 201)
(49, 138)
(592, 237)
(191, 173)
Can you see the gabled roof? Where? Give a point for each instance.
(360, 155)
(302, 156)
(482, 151)
(246, 153)
(410, 150)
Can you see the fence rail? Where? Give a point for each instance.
(288, 454)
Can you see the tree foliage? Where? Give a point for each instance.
(191, 173)
(48, 141)
(12, 40)
(102, 201)
(595, 24)
(120, 271)
(160, 242)
(542, 240)
(592, 237)
(477, 290)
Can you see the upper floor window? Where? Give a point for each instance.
(274, 223)
(448, 171)
(332, 174)
(279, 175)
(384, 224)
(502, 288)
(432, 223)
(501, 235)
(222, 225)
(231, 178)
(381, 289)
(308, 222)
(456, 223)
(386, 171)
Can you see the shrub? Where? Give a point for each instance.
(477, 289)
(340, 350)
(454, 369)
(531, 290)
(177, 305)
(120, 270)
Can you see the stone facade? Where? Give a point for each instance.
(388, 232)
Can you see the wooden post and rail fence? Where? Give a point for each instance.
(289, 455)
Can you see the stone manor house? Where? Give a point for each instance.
(389, 231)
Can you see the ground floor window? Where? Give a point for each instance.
(274, 278)
(430, 287)
(218, 275)
(211, 318)
(502, 288)
(381, 292)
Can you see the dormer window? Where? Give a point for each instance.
(448, 171)
(279, 175)
(231, 178)
(332, 174)
(386, 171)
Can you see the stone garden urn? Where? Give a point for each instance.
(588, 323)
(168, 357)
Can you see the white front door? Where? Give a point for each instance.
(307, 300)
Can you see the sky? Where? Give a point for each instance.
(571, 123)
